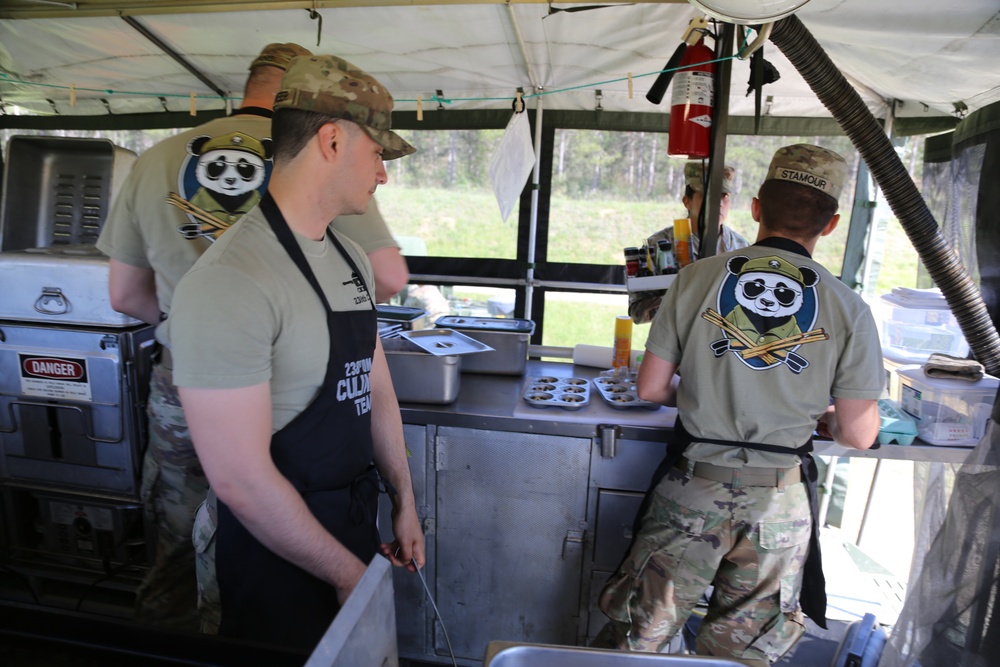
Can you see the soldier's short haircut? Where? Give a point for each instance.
(292, 129)
(797, 209)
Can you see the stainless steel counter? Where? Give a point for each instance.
(496, 402)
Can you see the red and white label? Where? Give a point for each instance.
(54, 377)
(53, 368)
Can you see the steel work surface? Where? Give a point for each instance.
(505, 654)
(495, 401)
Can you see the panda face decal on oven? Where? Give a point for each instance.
(221, 181)
(768, 304)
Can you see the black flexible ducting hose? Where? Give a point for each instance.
(938, 256)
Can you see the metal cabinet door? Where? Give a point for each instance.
(411, 602)
(511, 510)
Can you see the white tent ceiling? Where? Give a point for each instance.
(927, 54)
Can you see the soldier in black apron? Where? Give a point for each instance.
(297, 512)
(326, 453)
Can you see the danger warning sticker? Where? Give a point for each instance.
(54, 377)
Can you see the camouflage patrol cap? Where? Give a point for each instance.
(279, 55)
(809, 165)
(332, 86)
(694, 178)
(234, 140)
(773, 264)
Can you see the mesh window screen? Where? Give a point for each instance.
(951, 616)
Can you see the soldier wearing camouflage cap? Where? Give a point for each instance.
(333, 87)
(814, 166)
(283, 378)
(181, 195)
(766, 337)
(642, 306)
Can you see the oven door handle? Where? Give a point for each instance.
(88, 425)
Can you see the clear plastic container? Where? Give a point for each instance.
(916, 323)
(948, 412)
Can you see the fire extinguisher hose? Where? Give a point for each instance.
(659, 87)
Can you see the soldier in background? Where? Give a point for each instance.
(642, 306)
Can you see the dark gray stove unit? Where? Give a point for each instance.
(87, 533)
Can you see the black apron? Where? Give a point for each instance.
(326, 453)
(812, 597)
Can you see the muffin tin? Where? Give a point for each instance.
(620, 394)
(548, 391)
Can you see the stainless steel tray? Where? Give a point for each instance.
(620, 394)
(513, 654)
(441, 342)
(548, 391)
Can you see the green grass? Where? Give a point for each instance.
(453, 223)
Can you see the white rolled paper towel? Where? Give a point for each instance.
(598, 356)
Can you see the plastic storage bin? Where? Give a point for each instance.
(916, 323)
(948, 412)
(892, 369)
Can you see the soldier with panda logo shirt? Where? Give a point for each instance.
(178, 199)
(750, 346)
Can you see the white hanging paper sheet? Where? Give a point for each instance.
(512, 163)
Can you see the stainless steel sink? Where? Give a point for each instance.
(510, 654)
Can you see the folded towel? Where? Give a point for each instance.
(946, 366)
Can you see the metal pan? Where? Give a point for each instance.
(442, 342)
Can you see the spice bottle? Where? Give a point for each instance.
(631, 262)
(665, 260)
(652, 261)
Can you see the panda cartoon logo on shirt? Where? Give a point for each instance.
(770, 309)
(221, 180)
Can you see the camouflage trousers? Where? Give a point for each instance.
(748, 542)
(173, 485)
(209, 598)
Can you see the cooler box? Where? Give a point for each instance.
(507, 336)
(948, 412)
(916, 323)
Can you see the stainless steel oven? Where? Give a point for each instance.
(72, 405)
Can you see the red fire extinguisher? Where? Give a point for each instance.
(691, 104)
